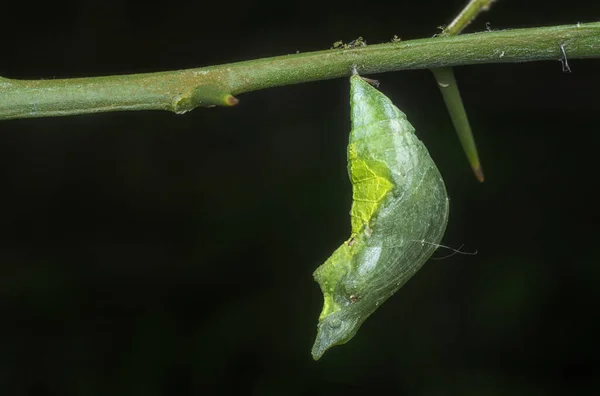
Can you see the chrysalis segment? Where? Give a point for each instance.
(370, 187)
(399, 213)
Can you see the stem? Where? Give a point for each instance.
(467, 15)
(181, 91)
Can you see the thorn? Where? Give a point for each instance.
(231, 100)
(478, 172)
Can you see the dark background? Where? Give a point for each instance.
(148, 253)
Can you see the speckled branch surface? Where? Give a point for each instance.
(183, 90)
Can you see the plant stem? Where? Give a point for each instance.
(466, 16)
(181, 91)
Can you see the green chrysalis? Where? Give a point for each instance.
(398, 216)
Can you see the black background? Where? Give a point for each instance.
(148, 253)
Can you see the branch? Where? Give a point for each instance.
(181, 91)
(467, 15)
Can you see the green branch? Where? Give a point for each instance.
(467, 15)
(181, 91)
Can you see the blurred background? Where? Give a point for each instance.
(148, 253)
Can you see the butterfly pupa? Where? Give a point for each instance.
(398, 200)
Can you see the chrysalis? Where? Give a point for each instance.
(398, 216)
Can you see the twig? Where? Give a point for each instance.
(183, 90)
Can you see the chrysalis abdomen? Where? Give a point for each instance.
(398, 216)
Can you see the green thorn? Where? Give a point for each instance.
(204, 96)
(207, 96)
(451, 94)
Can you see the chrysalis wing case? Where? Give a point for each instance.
(399, 214)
